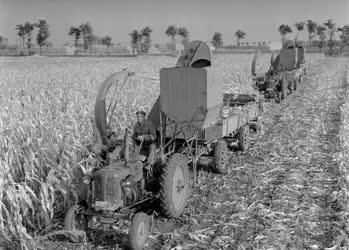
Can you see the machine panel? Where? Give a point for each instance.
(186, 95)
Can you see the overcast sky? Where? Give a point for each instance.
(258, 18)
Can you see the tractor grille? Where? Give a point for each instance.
(98, 190)
(112, 189)
(107, 188)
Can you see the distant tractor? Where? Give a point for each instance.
(193, 119)
(284, 74)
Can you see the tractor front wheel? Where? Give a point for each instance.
(244, 137)
(174, 185)
(74, 222)
(221, 157)
(139, 231)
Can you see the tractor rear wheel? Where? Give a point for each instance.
(220, 157)
(174, 185)
(283, 89)
(75, 222)
(244, 137)
(139, 231)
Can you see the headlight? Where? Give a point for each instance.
(87, 179)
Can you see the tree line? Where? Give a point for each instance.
(217, 39)
(85, 32)
(25, 32)
(140, 40)
(324, 31)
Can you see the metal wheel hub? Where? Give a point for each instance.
(141, 232)
(178, 187)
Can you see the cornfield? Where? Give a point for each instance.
(46, 119)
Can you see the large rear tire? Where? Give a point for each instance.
(75, 221)
(139, 231)
(220, 157)
(174, 186)
(244, 138)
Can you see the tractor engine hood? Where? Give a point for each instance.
(107, 183)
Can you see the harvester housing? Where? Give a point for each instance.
(192, 107)
(284, 74)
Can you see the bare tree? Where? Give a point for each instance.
(3, 43)
(344, 36)
(43, 33)
(184, 33)
(106, 40)
(299, 26)
(284, 29)
(87, 35)
(76, 32)
(21, 33)
(320, 31)
(312, 29)
(217, 40)
(28, 29)
(331, 31)
(136, 38)
(239, 35)
(145, 39)
(172, 31)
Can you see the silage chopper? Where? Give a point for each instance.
(193, 119)
(285, 72)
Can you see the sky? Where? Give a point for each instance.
(258, 18)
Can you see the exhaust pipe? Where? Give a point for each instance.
(127, 145)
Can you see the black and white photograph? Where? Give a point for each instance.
(174, 124)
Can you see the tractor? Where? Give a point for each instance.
(284, 74)
(193, 119)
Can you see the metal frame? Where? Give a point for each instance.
(194, 147)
